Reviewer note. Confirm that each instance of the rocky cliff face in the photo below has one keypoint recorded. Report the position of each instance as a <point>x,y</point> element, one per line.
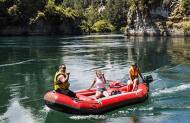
<point>166,18</point>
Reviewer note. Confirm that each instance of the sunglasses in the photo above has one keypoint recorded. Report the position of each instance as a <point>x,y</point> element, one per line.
<point>62,67</point>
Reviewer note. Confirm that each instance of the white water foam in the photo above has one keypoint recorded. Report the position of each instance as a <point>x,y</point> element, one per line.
<point>41,117</point>
<point>171,90</point>
<point>45,109</point>
<point>17,114</point>
<point>95,117</point>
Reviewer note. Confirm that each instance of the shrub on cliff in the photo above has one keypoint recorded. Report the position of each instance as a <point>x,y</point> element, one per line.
<point>186,6</point>
<point>56,14</point>
<point>116,12</point>
<point>14,16</point>
<point>57,18</point>
<point>103,26</point>
<point>186,26</point>
<point>91,15</point>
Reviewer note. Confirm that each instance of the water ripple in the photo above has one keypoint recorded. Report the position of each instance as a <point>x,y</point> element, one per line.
<point>16,63</point>
<point>172,90</point>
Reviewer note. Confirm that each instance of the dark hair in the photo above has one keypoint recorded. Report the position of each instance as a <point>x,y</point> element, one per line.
<point>61,66</point>
<point>134,63</point>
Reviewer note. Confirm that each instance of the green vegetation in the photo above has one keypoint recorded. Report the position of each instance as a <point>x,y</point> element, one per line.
<point>186,25</point>
<point>186,6</point>
<point>103,26</point>
<point>85,16</point>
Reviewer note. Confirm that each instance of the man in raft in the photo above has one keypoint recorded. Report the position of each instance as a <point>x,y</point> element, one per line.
<point>134,73</point>
<point>61,82</point>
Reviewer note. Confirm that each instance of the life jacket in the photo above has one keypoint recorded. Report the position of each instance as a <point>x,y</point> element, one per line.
<point>58,85</point>
<point>134,72</point>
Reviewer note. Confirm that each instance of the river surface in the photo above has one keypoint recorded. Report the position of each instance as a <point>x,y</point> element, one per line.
<point>28,64</point>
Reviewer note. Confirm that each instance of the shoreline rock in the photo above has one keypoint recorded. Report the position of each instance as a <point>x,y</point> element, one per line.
<point>40,28</point>
<point>156,32</point>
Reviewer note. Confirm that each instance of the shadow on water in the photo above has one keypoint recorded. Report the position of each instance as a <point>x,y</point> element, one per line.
<point>27,66</point>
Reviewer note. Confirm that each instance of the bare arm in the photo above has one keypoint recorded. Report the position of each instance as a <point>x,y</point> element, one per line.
<point>63,78</point>
<point>129,75</point>
<point>104,79</point>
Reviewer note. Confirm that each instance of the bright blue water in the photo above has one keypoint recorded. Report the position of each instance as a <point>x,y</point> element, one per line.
<point>28,64</point>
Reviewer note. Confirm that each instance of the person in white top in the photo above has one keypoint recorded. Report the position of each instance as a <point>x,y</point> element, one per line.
<point>100,82</point>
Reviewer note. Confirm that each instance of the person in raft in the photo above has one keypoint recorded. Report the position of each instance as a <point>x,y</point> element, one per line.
<point>134,73</point>
<point>100,82</point>
<point>61,82</point>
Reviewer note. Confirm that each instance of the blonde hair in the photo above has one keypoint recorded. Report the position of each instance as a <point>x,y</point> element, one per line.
<point>99,72</point>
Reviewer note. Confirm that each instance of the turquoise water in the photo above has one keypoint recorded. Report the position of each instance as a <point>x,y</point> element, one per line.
<point>28,64</point>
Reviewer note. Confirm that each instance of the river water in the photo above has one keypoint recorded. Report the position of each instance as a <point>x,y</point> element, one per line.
<point>28,64</point>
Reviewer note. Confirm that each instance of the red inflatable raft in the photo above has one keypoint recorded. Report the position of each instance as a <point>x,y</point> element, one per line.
<point>120,95</point>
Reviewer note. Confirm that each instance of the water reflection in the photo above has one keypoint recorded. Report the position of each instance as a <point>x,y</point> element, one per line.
<point>17,113</point>
<point>28,64</point>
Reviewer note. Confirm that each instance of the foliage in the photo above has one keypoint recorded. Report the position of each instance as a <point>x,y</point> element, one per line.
<point>85,27</point>
<point>14,15</point>
<point>169,24</point>
<point>122,29</point>
<point>13,10</point>
<point>58,14</point>
<point>116,12</point>
<point>40,16</point>
<point>186,6</point>
<point>29,8</point>
<point>186,25</point>
<point>91,15</point>
<point>85,13</point>
<point>103,26</point>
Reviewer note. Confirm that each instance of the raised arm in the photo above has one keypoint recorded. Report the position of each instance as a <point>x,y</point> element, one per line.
<point>63,78</point>
<point>104,79</point>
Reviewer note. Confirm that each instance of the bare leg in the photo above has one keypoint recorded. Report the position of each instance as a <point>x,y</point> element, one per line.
<point>98,94</point>
<point>129,85</point>
<point>105,93</point>
<point>136,81</point>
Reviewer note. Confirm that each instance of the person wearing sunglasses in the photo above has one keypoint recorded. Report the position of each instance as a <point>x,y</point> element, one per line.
<point>61,82</point>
